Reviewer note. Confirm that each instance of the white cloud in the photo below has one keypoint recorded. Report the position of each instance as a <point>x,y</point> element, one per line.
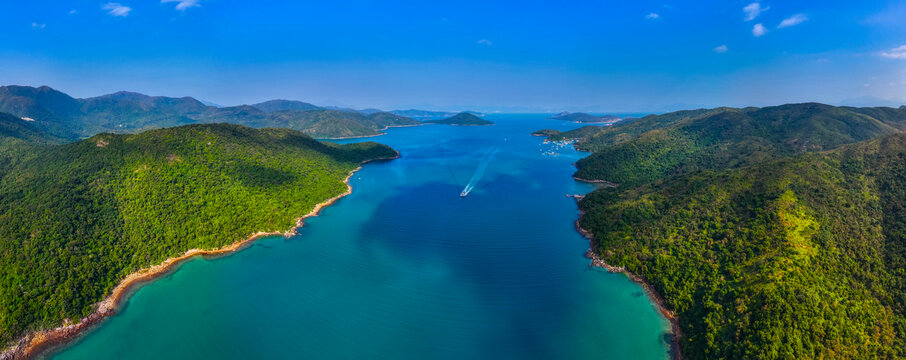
<point>652,16</point>
<point>721,49</point>
<point>72,12</point>
<point>182,4</point>
<point>753,10</point>
<point>35,25</point>
<point>117,9</point>
<point>793,21</point>
<point>895,53</point>
<point>759,30</point>
<point>485,42</point>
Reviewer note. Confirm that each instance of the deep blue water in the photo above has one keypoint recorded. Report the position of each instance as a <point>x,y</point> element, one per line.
<point>403,268</point>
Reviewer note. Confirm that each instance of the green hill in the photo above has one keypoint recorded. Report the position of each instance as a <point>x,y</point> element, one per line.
<point>653,147</point>
<point>575,134</point>
<point>461,119</point>
<point>585,118</point>
<point>278,105</point>
<point>14,128</point>
<point>386,119</point>
<point>798,258</point>
<point>76,218</point>
<point>126,112</point>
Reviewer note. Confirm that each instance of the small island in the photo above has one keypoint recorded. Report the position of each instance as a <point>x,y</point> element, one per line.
<point>586,118</point>
<point>547,132</point>
<point>461,119</point>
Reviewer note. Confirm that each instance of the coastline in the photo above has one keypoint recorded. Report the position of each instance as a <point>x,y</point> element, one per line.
<point>655,297</point>
<point>34,344</point>
<point>368,136</point>
<point>604,183</point>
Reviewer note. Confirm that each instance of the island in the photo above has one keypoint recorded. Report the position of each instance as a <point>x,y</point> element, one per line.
<point>586,118</point>
<point>461,119</point>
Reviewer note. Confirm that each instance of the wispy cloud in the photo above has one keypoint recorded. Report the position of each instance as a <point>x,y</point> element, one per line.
<point>652,16</point>
<point>117,9</point>
<point>895,53</point>
<point>484,42</point>
<point>721,49</point>
<point>759,30</point>
<point>753,10</point>
<point>182,4</point>
<point>793,21</point>
<point>72,12</point>
<point>35,25</point>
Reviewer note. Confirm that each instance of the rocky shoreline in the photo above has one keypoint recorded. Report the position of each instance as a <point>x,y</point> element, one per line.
<point>656,298</point>
<point>36,343</point>
<point>603,183</point>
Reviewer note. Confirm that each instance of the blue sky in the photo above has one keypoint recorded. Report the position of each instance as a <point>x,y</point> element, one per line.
<point>511,56</point>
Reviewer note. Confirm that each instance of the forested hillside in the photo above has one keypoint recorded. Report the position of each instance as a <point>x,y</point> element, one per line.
<point>798,258</point>
<point>123,112</point>
<point>654,147</point>
<point>76,218</point>
<point>772,232</point>
<point>461,119</point>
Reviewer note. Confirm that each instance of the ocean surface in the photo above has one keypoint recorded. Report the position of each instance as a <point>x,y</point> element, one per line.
<point>405,268</point>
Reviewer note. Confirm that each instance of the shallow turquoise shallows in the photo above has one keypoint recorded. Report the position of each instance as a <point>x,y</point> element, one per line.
<point>404,268</point>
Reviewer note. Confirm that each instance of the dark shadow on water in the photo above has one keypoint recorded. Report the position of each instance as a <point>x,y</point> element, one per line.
<point>501,268</point>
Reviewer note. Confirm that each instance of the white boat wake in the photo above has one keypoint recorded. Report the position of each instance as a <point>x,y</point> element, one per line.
<point>479,172</point>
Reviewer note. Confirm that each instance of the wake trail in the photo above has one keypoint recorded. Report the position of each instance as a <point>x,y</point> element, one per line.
<point>479,172</point>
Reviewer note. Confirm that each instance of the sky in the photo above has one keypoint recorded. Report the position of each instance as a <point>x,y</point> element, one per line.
<point>525,56</point>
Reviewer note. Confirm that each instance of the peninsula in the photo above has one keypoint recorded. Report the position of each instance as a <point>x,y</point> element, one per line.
<point>113,205</point>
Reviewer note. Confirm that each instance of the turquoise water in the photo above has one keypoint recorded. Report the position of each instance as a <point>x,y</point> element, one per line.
<point>403,268</point>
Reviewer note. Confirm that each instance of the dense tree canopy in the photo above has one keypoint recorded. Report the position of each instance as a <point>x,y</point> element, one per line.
<point>77,218</point>
<point>764,242</point>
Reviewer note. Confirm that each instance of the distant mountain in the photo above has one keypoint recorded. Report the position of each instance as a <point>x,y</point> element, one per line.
<point>421,114</point>
<point>53,111</point>
<point>278,105</point>
<point>677,143</point>
<point>14,128</point>
<point>326,123</point>
<point>386,119</point>
<point>585,118</point>
<point>62,116</point>
<point>461,119</point>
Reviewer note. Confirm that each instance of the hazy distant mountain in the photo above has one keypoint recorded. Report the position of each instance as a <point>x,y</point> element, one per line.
<point>277,105</point>
<point>386,119</point>
<point>415,114</point>
<point>585,118</point>
<point>461,119</point>
<point>866,101</point>
<point>60,115</point>
<point>14,127</point>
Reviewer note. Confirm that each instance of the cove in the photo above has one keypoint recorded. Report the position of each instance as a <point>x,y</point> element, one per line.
<point>405,268</point>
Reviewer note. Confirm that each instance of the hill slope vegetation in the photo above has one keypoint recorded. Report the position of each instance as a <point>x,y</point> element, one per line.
<point>797,258</point>
<point>772,232</point>
<point>461,119</point>
<point>654,147</point>
<point>124,112</point>
<point>76,218</point>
